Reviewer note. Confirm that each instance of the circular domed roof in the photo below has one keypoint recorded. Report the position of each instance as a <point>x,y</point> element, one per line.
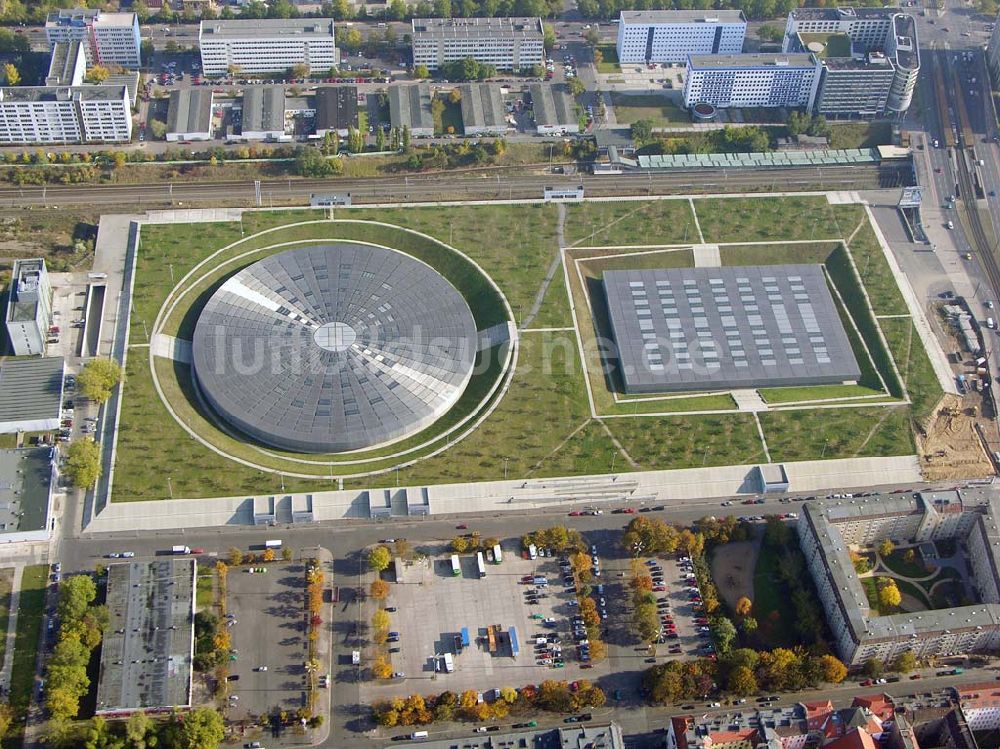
<point>334,347</point>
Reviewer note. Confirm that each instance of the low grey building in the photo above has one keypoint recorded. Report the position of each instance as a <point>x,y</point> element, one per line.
<point>190,114</point>
<point>27,477</point>
<point>67,65</point>
<point>410,106</point>
<point>148,648</point>
<point>31,392</point>
<point>686,329</point>
<point>264,113</point>
<point>336,109</point>
<point>554,109</point>
<point>482,109</point>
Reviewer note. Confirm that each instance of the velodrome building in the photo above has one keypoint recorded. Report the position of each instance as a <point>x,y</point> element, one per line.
<point>828,530</point>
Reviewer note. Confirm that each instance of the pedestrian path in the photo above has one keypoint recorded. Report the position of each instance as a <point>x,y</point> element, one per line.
<point>8,653</point>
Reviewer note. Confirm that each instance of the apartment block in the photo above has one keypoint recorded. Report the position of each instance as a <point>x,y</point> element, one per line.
<point>270,46</point>
<point>752,80</point>
<point>505,43</point>
<point>646,36</point>
<point>60,115</point>
<point>108,38</point>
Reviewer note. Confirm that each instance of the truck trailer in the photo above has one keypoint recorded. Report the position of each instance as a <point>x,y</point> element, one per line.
<point>181,550</point>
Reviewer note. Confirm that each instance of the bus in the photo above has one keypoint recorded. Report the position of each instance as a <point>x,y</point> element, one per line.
<point>456,568</point>
<point>481,564</point>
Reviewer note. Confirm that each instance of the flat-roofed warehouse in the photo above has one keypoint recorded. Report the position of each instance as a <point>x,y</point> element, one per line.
<point>336,109</point>
<point>148,646</point>
<point>264,113</point>
<point>555,112</point>
<point>31,392</point>
<point>410,106</point>
<point>27,477</point>
<point>733,327</point>
<point>189,116</point>
<point>482,109</point>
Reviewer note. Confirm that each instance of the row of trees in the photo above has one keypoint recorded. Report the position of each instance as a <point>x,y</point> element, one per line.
<point>583,577</point>
<point>473,542</point>
<point>550,695</point>
<point>558,538</point>
<point>741,672</point>
<point>201,728</point>
<point>81,627</point>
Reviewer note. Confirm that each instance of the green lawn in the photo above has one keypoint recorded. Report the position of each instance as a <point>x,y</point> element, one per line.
<point>205,589</point>
<point>816,392</point>
<point>772,604</point>
<point>765,218</point>
<point>554,312</point>
<point>659,442</point>
<point>609,64</point>
<point>630,223</point>
<point>883,291</point>
<point>451,118</point>
<point>860,134</point>
<point>837,433</point>
<point>834,45</point>
<point>896,563</point>
<point>657,108</point>
<point>913,363</point>
<point>30,609</point>
<point>6,578</point>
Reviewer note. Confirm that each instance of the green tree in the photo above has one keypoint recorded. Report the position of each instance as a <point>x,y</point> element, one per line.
<point>549,37</point>
<point>421,71</point>
<point>405,138</point>
<point>886,547</point>
<point>873,667</point>
<point>83,463</point>
<point>203,729</point>
<point>309,162</point>
<point>592,36</point>
<point>741,681</point>
<point>642,131</point>
<point>748,625</point>
<point>379,139</point>
<point>769,33</point>
<point>137,729</point>
<point>98,378</point>
<point>158,128</point>
<point>380,620</point>
<point>146,49</point>
<point>576,87</point>
<point>723,632</point>
<point>379,558</point>
<point>75,595</point>
<point>7,718</point>
<point>905,662</point>
<point>11,74</point>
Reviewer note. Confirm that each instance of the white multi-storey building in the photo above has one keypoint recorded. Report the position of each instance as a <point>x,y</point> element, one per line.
<point>672,35</point>
<point>754,80</point>
<point>827,531</point>
<point>108,38</point>
<point>267,46</point>
<point>29,307</point>
<point>65,114</point>
<point>881,40</point>
<point>505,43</point>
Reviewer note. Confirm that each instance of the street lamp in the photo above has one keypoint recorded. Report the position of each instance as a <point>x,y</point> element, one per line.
<point>170,487</point>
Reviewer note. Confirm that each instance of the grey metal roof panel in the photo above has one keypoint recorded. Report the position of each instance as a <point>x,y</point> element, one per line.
<point>264,108</point>
<point>552,104</point>
<point>334,347</point>
<point>31,389</point>
<point>190,111</point>
<point>336,107</point>
<point>737,326</point>
<point>410,106</point>
<point>482,106</point>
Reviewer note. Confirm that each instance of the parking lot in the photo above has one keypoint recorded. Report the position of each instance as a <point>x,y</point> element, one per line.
<point>432,606</point>
<point>269,631</point>
<point>680,606</point>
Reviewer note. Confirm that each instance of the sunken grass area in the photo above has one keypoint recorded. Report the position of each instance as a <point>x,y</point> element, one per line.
<point>515,245</point>
<point>31,607</point>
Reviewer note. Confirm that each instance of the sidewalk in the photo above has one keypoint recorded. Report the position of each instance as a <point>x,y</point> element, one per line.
<point>8,653</point>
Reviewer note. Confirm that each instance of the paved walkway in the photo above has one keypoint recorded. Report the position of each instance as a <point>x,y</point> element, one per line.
<point>706,256</point>
<point>8,653</point>
<point>749,401</point>
<point>168,347</point>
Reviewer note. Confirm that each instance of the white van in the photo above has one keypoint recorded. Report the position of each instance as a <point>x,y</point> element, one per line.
<point>418,735</point>
<point>990,323</point>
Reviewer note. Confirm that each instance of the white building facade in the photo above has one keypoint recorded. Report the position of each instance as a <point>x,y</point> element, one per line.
<point>505,43</point>
<point>753,80</point>
<point>267,46</point>
<point>65,115</point>
<point>108,38</point>
<point>29,308</point>
<point>671,35</point>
